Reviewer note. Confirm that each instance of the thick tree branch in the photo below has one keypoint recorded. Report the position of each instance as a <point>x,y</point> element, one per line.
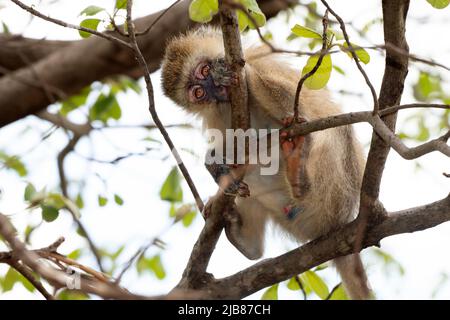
<point>17,52</point>
<point>396,69</point>
<point>335,244</point>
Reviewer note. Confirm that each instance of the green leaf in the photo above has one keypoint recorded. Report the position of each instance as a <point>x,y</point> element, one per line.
<point>89,24</point>
<point>255,12</point>
<point>242,20</point>
<point>118,199</point>
<point>118,252</point>
<point>203,10</point>
<point>121,4</point>
<point>362,54</point>
<point>428,87</point>
<point>124,83</point>
<point>315,283</point>
<point>388,260</point>
<point>172,210</point>
<point>337,35</point>
<point>424,132</point>
<point>339,70</point>
<point>79,201</point>
<point>28,231</point>
<point>271,293</point>
<point>188,218</point>
<point>26,284</point>
<point>75,254</point>
<point>105,108</point>
<point>339,294</point>
<point>30,191</point>
<point>5,28</point>
<point>55,200</point>
<point>320,78</point>
<point>49,213</point>
<point>171,189</point>
<point>321,267</point>
<point>74,102</point>
<point>157,267</point>
<point>9,280</point>
<point>72,295</point>
<point>153,264</point>
<point>102,201</point>
<point>91,11</point>
<point>13,163</point>
<point>293,284</point>
<point>439,4</point>
<point>81,233</point>
<point>305,32</point>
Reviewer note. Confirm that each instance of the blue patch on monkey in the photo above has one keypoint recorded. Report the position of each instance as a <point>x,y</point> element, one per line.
<point>292,211</point>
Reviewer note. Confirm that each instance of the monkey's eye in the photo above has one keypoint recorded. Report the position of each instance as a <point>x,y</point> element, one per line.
<point>205,70</point>
<point>198,92</point>
<point>202,70</point>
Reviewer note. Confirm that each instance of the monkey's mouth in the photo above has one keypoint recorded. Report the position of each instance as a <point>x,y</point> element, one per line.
<point>221,93</point>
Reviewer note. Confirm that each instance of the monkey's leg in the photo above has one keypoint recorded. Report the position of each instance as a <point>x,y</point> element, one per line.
<point>295,151</point>
<point>245,227</point>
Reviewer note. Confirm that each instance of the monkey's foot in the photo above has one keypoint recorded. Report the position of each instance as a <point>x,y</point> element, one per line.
<point>294,154</point>
<point>222,74</point>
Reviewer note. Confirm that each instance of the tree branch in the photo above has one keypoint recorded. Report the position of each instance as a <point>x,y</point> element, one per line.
<point>335,244</point>
<point>56,277</point>
<point>194,275</point>
<point>396,69</point>
<point>355,57</point>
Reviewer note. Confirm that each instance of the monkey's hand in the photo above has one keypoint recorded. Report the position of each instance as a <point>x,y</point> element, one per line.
<point>222,74</point>
<point>226,176</point>
<point>295,152</point>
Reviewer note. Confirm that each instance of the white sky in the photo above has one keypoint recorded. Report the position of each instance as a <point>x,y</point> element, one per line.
<point>139,179</point>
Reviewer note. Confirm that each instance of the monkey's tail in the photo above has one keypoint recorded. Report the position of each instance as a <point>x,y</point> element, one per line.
<point>354,277</point>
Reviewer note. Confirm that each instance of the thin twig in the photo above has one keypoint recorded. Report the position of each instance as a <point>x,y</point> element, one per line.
<point>147,30</point>
<point>355,57</point>
<point>152,109</point>
<point>63,183</point>
<point>323,52</point>
<point>36,13</point>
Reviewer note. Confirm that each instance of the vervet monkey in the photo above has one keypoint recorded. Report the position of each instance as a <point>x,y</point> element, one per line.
<point>317,187</point>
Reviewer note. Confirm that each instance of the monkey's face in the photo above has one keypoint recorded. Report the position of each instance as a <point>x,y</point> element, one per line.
<point>194,75</point>
<point>209,83</point>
